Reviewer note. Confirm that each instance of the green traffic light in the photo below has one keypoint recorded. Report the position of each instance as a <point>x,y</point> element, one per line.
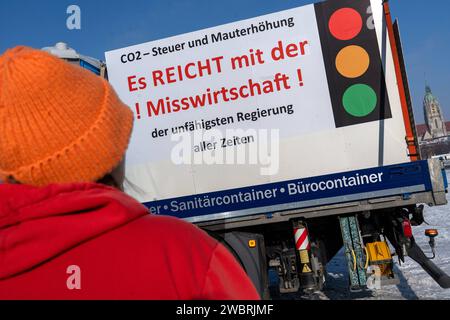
<point>360,100</point>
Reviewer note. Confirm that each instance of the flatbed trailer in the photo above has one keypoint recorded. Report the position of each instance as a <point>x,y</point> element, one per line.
<point>266,244</point>
<point>421,182</point>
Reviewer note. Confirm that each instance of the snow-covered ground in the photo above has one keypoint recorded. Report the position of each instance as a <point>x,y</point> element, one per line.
<point>415,283</point>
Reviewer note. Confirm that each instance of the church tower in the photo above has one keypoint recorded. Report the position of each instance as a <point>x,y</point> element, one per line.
<point>433,116</point>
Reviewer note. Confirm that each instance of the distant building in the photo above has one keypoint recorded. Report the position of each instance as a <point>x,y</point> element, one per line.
<point>433,135</point>
<point>434,119</point>
<point>422,129</point>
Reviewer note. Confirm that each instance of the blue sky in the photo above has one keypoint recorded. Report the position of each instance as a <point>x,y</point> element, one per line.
<point>110,25</point>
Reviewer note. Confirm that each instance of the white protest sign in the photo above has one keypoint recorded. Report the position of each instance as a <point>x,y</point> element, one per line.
<point>253,103</point>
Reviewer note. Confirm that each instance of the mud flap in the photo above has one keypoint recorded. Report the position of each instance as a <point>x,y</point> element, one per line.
<point>415,253</point>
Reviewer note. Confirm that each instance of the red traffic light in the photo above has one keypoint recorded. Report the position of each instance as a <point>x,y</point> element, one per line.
<point>345,24</point>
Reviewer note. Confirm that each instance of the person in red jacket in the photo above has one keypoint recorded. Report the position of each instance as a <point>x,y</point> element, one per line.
<point>66,230</point>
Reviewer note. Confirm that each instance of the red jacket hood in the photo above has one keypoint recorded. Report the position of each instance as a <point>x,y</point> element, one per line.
<point>37,224</point>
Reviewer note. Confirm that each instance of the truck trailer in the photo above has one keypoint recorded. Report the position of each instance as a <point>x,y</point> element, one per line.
<point>350,174</point>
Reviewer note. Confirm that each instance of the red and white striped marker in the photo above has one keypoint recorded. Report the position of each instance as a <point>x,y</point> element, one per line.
<point>301,239</point>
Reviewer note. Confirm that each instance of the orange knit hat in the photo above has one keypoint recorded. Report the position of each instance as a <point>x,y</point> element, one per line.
<point>58,122</point>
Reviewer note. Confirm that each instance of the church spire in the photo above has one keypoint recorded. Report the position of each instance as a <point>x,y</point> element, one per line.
<point>433,115</point>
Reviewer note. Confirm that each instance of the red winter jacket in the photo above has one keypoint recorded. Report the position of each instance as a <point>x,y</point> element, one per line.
<point>89,241</point>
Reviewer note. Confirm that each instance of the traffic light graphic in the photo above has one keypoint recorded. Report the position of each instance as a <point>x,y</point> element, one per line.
<point>353,62</point>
